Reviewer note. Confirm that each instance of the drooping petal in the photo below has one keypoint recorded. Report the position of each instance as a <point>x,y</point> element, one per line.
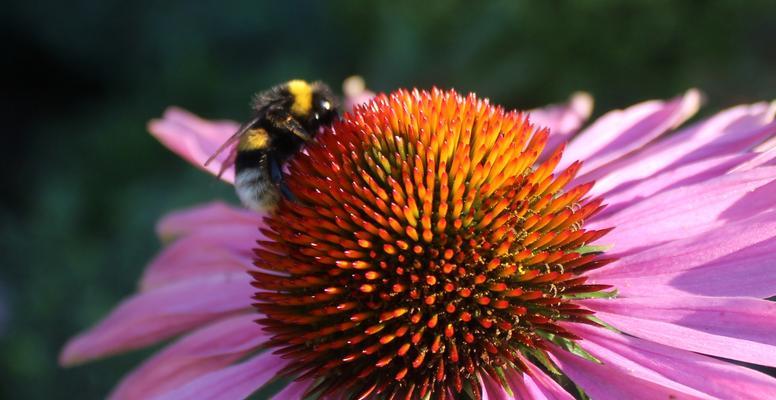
<point>209,349</point>
<point>152,316</point>
<point>219,249</point>
<point>729,132</point>
<point>563,120</point>
<point>622,131</point>
<point>195,139</point>
<point>634,368</point>
<point>210,238</point>
<point>736,328</point>
<point>194,256</point>
<point>204,217</point>
<point>236,382</point>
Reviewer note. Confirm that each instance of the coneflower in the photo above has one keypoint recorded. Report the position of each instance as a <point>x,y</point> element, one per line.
<point>441,247</point>
<point>427,248</point>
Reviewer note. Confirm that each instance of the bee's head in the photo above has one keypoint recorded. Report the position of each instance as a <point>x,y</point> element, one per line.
<point>325,105</point>
<point>312,104</point>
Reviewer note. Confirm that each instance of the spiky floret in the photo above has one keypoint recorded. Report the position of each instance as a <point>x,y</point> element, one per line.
<point>426,248</point>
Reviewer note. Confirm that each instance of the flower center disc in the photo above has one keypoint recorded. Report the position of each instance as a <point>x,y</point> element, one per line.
<point>427,247</point>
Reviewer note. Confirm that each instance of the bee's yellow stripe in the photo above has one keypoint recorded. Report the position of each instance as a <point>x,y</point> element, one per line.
<point>303,97</point>
<point>254,139</point>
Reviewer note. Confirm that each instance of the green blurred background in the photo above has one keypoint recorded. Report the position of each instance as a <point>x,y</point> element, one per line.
<point>83,182</point>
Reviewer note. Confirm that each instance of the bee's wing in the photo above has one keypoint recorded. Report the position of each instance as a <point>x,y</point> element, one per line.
<point>261,112</point>
<point>234,138</point>
<point>227,163</point>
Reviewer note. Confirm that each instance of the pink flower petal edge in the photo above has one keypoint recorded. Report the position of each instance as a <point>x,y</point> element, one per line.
<point>634,368</point>
<point>563,120</point>
<point>744,272</point>
<point>735,328</point>
<point>535,384</point>
<point>204,217</point>
<point>492,390</point>
<point>620,132</point>
<point>531,384</point>
<point>766,158</point>
<point>731,131</point>
<point>195,139</point>
<point>152,316</point>
<point>209,238</point>
<point>232,383</point>
<point>194,256</point>
<point>689,210</point>
<point>206,350</point>
<point>735,259</point>
<point>684,175</point>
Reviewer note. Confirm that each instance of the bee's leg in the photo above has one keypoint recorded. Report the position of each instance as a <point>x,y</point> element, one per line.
<point>276,176</point>
<point>283,121</point>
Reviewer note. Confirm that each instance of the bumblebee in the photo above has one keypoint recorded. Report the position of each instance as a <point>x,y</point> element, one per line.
<point>285,117</point>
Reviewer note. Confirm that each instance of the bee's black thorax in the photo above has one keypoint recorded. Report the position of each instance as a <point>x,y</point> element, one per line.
<point>280,147</point>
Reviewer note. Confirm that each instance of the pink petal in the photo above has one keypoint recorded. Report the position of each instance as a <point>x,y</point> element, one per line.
<point>748,272</point>
<point>690,210</point>
<point>620,132</point>
<point>735,259</point>
<point>563,120</point>
<point>768,157</point>
<point>492,390</point>
<point>611,381</point>
<point>236,382</point>
<point>213,238</point>
<point>208,349</point>
<point>535,384</point>
<point>752,127</point>
<point>197,255</point>
<point>685,175</point>
<point>744,272</point>
<point>149,317</point>
<point>735,328</point>
<point>205,217</point>
<point>728,132</point>
<point>769,144</point>
<point>195,139</point>
<point>638,369</point>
